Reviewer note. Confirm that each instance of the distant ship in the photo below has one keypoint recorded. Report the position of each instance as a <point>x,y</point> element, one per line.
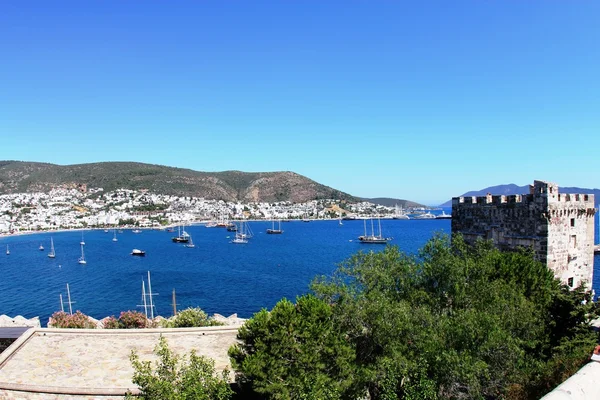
<point>443,215</point>
<point>273,231</point>
<point>372,238</point>
<point>139,253</point>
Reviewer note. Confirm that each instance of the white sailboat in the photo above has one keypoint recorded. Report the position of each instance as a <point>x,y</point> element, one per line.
<point>241,237</point>
<point>190,243</point>
<point>51,254</point>
<point>41,247</point>
<point>7,250</point>
<point>114,239</point>
<point>82,241</point>
<point>82,258</point>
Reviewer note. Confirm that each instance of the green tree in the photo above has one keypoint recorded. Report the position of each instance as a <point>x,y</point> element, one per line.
<point>458,321</point>
<point>295,351</point>
<point>174,378</point>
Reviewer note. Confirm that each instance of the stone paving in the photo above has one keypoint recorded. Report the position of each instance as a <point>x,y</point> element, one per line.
<point>96,360</point>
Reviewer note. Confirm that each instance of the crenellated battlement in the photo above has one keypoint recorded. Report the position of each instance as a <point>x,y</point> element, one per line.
<point>558,226</point>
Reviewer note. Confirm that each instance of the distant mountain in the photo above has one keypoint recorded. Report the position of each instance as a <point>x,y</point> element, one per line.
<point>514,189</point>
<point>18,176</point>
<point>388,202</point>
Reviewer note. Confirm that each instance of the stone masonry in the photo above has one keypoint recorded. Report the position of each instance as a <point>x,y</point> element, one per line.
<point>559,227</point>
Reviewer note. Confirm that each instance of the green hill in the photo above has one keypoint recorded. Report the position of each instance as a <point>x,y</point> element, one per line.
<point>19,176</point>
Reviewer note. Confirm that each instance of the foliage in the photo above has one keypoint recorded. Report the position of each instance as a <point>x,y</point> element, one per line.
<point>190,317</point>
<point>177,378</point>
<point>111,323</point>
<point>458,321</point>
<point>79,320</point>
<point>133,320</point>
<point>295,351</point>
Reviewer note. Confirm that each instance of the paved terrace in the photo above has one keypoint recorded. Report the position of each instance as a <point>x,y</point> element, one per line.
<point>94,364</point>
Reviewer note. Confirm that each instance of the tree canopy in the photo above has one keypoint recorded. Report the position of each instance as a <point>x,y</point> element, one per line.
<point>452,322</point>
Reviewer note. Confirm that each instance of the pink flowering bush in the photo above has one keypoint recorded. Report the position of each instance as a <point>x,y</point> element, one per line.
<point>133,319</point>
<point>78,320</point>
<point>111,323</point>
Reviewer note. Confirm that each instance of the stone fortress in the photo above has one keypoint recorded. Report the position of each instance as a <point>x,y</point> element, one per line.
<point>559,227</point>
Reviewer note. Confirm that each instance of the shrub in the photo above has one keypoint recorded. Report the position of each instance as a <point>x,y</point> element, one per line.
<point>111,323</point>
<point>79,320</point>
<point>178,378</point>
<point>133,320</point>
<point>189,318</point>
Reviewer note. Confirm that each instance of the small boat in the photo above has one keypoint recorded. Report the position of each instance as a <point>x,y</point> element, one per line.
<point>114,239</point>
<point>51,253</point>
<point>137,231</point>
<point>231,227</point>
<point>190,244</point>
<point>41,247</point>
<point>120,231</point>
<point>241,235</point>
<point>7,250</point>
<point>372,238</point>
<point>274,231</point>
<point>82,258</point>
<point>443,215</point>
<point>139,253</point>
<point>106,231</point>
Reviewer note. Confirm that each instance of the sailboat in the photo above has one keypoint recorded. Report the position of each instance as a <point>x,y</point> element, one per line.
<point>180,238</point>
<point>273,231</point>
<point>372,238</point>
<point>51,254</point>
<point>114,239</point>
<point>190,244</point>
<point>7,250</point>
<point>82,241</point>
<point>41,247</point>
<point>241,237</point>
<point>340,220</point>
<point>82,258</point>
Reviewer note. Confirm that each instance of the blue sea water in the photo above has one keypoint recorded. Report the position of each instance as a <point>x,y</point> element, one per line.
<point>218,276</point>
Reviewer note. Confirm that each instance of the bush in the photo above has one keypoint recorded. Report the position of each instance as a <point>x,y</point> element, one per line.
<point>111,323</point>
<point>133,320</point>
<point>178,378</point>
<point>79,320</point>
<point>189,318</point>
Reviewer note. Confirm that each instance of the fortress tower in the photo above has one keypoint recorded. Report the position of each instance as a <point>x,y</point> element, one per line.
<point>559,227</point>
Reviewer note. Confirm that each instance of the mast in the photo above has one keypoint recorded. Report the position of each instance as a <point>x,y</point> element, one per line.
<point>62,307</point>
<point>372,231</point>
<point>174,303</point>
<point>144,298</point>
<point>150,294</point>
<point>379,221</point>
<point>70,302</point>
<point>365,224</point>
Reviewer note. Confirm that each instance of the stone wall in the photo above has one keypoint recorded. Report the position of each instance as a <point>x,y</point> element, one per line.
<point>559,227</point>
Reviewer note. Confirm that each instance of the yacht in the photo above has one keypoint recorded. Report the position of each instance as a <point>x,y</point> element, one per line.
<point>443,215</point>
<point>427,215</point>
<point>139,253</point>
<point>273,231</point>
<point>82,258</point>
<point>51,254</point>
<point>41,247</point>
<point>372,238</point>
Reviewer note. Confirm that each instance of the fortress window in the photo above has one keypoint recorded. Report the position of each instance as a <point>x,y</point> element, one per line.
<point>572,221</point>
<point>570,282</point>
<point>573,240</point>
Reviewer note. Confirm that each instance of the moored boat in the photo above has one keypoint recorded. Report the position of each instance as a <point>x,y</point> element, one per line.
<point>137,252</point>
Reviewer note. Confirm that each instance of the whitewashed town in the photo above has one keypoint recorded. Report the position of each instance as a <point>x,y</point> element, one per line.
<point>78,208</point>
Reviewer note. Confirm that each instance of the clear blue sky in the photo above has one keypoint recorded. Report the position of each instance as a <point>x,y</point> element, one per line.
<point>419,100</point>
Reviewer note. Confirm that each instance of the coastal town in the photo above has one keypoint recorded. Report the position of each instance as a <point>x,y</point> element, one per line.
<point>78,207</point>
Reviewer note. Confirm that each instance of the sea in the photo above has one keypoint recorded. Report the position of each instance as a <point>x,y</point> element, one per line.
<point>216,275</point>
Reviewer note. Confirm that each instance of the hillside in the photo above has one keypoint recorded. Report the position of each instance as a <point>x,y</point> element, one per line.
<point>18,176</point>
<point>514,189</point>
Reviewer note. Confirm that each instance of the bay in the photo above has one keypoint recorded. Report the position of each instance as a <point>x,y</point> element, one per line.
<point>216,275</point>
